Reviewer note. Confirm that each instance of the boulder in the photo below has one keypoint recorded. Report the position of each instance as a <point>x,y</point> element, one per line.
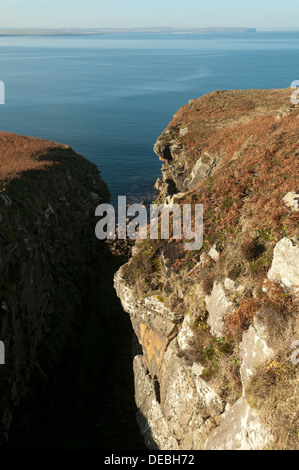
<point>241,429</point>
<point>285,264</point>
<point>292,200</point>
<point>217,306</point>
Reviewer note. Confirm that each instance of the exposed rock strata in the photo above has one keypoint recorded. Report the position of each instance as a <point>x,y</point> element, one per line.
<point>178,410</point>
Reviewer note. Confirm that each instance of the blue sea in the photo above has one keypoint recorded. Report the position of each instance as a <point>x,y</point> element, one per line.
<point>109,97</point>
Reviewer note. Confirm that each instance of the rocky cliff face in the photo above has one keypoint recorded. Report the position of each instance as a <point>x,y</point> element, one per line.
<point>217,328</point>
<point>55,300</point>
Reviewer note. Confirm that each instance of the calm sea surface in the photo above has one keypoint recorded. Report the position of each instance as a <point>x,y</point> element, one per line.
<point>110,96</point>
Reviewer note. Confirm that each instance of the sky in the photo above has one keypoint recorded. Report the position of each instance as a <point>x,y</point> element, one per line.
<point>260,14</point>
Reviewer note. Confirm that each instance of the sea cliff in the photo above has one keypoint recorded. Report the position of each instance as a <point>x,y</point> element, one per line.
<point>217,327</point>
<point>56,292</point>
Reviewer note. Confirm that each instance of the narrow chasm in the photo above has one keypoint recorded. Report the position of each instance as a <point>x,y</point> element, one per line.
<point>85,399</point>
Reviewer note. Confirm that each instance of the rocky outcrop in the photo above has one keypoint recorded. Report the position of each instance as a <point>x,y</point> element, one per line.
<point>177,408</point>
<point>285,264</point>
<point>241,429</point>
<point>162,379</point>
<point>216,327</point>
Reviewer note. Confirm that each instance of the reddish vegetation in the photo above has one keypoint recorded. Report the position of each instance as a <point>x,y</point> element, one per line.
<point>226,109</point>
<point>21,153</point>
<point>240,319</point>
<point>258,156</point>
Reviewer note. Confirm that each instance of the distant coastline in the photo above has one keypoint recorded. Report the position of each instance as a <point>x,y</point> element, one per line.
<point>101,31</point>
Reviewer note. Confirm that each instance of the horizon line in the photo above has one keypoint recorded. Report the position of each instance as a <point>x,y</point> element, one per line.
<point>148,28</point>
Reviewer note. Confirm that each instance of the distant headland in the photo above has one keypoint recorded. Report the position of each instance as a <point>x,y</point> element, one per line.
<point>101,31</point>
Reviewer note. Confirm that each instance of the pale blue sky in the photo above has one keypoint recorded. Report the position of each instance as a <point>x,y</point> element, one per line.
<point>274,14</point>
